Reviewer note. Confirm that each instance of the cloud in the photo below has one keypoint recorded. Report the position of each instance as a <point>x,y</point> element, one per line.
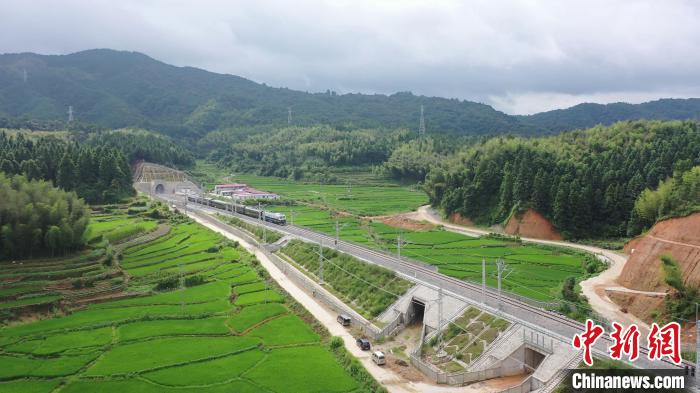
<point>520,56</point>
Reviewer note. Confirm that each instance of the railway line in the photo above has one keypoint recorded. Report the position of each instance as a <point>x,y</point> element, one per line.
<point>551,322</point>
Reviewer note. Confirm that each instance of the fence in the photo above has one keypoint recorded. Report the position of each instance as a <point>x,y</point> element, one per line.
<point>320,293</point>
<point>459,378</point>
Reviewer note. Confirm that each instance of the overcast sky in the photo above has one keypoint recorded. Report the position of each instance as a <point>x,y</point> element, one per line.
<point>519,56</point>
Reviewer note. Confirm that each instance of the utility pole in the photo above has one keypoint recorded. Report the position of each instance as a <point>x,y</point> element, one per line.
<point>421,127</point>
<point>483,280</point>
<point>697,343</point>
<point>289,115</point>
<point>320,262</point>
<point>398,246</point>
<point>337,233</point>
<point>500,263</point>
<point>439,319</point>
<point>70,113</point>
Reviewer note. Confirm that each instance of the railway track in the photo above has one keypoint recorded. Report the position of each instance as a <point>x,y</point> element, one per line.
<point>407,267</point>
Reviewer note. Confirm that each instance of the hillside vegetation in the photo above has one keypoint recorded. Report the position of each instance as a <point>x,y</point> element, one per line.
<point>585,182</point>
<point>98,174</point>
<point>38,219</point>
<point>676,196</point>
<point>126,89</point>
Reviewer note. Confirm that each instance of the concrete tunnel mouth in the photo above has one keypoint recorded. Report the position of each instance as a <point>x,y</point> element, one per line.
<point>416,312</point>
<point>160,189</point>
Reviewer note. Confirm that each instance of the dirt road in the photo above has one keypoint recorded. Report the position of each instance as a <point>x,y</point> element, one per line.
<point>593,288</point>
<point>392,381</point>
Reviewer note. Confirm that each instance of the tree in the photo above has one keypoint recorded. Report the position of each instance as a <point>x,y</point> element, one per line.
<point>39,218</point>
<point>66,177</point>
<point>53,238</point>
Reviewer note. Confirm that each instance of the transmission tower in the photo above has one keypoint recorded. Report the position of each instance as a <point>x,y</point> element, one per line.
<point>421,127</point>
<point>289,115</point>
<point>70,113</point>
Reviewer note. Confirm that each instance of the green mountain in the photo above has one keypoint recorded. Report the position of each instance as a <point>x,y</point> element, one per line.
<point>588,115</point>
<point>126,89</point>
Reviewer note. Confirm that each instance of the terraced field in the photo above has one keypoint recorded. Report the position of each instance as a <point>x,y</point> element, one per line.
<point>41,285</point>
<point>232,332</point>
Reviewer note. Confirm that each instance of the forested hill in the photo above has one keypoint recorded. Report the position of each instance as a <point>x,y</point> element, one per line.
<point>585,182</point>
<point>588,115</point>
<point>122,89</point>
<point>126,89</point>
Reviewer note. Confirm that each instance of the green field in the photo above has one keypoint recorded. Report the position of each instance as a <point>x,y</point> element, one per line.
<point>363,200</point>
<point>231,333</point>
<point>369,289</point>
<point>533,271</point>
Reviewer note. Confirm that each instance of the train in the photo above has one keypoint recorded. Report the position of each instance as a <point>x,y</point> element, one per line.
<point>250,211</point>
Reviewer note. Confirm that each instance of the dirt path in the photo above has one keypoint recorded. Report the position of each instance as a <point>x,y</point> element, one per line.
<point>645,293</point>
<point>673,242</point>
<point>392,381</point>
<point>593,288</point>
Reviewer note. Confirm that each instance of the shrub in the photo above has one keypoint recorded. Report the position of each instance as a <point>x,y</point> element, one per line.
<point>336,342</point>
<point>192,281</point>
<point>167,283</point>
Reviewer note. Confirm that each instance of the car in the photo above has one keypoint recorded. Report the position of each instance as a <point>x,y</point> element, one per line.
<point>344,319</point>
<point>363,344</point>
<point>378,358</point>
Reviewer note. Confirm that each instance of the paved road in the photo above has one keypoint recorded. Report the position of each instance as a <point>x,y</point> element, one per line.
<point>535,318</point>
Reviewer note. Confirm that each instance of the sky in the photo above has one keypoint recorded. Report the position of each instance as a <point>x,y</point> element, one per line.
<point>521,57</point>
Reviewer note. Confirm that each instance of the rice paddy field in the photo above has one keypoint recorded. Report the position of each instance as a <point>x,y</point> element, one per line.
<point>228,331</point>
<point>533,271</point>
<point>358,199</point>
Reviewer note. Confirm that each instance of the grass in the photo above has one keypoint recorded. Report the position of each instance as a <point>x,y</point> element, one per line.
<point>27,386</point>
<point>172,327</point>
<point>116,228</point>
<point>182,340</point>
<point>252,315</point>
<point>133,385</point>
<point>62,342</point>
<point>269,295</point>
<point>288,366</point>
<point>370,289</point>
<point>207,372</point>
<point>468,334</point>
<point>18,367</point>
<point>285,330</point>
<point>147,355</point>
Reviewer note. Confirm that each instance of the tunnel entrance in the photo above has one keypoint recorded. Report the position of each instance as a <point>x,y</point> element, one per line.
<point>160,189</point>
<point>532,359</point>
<point>416,311</point>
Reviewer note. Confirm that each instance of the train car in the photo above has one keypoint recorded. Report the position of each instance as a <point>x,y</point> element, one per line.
<point>252,212</point>
<point>275,218</point>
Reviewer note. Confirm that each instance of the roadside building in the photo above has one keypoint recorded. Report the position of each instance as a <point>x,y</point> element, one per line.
<point>240,191</point>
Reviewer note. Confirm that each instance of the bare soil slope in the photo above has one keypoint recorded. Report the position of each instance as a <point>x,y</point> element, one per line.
<point>532,224</point>
<point>677,237</point>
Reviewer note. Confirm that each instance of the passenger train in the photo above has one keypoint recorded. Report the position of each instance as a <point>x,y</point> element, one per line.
<point>275,218</point>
